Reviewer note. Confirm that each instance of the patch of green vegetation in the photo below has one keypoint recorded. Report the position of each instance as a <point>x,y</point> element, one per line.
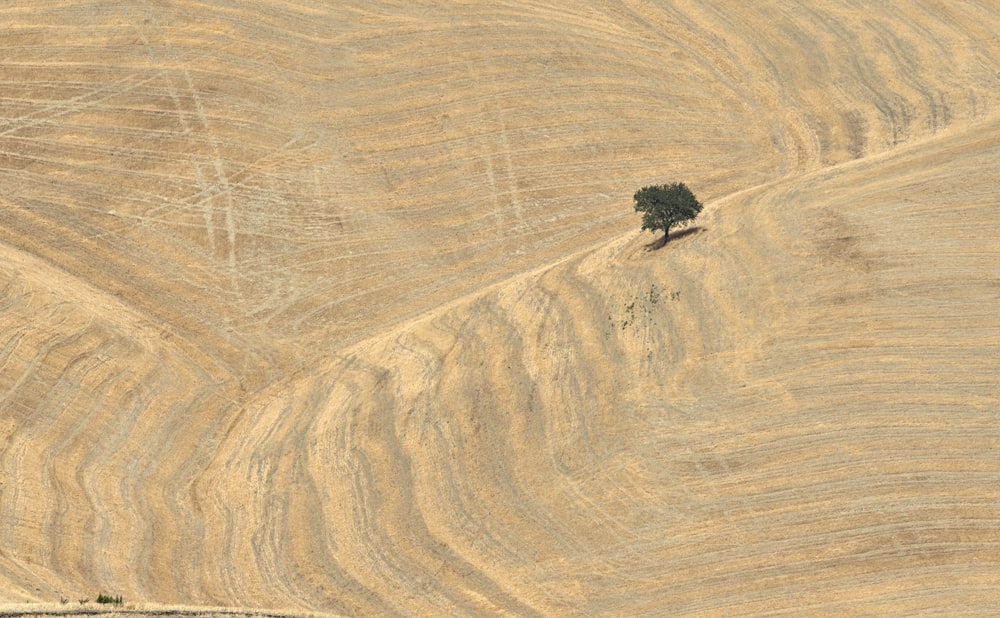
<point>666,206</point>
<point>643,304</point>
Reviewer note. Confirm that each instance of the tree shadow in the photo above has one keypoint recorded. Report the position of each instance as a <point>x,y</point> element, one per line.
<point>661,242</point>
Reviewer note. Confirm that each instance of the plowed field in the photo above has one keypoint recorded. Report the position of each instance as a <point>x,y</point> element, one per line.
<point>343,308</point>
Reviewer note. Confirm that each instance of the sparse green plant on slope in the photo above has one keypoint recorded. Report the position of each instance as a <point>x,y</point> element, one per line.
<point>643,306</point>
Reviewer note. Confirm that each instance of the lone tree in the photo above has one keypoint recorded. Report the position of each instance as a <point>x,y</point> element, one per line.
<point>666,206</point>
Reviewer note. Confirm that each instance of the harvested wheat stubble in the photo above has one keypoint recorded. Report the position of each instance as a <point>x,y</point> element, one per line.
<point>343,308</point>
<point>145,610</point>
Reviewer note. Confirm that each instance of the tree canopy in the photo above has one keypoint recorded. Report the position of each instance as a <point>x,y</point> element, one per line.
<point>666,206</point>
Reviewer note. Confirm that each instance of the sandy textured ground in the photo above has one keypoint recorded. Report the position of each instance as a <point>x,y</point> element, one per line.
<point>343,308</point>
<point>144,610</point>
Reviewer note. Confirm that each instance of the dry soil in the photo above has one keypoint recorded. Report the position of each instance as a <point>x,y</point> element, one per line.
<point>342,307</point>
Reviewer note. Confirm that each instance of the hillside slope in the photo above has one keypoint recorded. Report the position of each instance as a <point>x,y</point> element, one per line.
<point>343,309</point>
<point>795,407</point>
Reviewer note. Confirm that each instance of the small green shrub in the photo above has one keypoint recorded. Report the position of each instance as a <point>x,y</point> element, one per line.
<point>103,598</point>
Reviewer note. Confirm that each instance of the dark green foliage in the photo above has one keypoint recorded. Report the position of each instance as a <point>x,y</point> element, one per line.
<point>103,598</point>
<point>666,206</point>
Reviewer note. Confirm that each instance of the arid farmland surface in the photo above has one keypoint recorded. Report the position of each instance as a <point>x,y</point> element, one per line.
<point>341,307</point>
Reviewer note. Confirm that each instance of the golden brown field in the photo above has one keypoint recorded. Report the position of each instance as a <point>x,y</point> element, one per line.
<point>342,308</point>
